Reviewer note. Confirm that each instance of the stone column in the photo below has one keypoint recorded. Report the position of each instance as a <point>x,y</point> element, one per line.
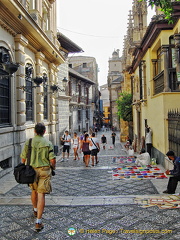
<point>154,62</point>
<point>144,86</point>
<point>20,43</point>
<point>165,52</point>
<point>39,98</point>
<point>53,103</point>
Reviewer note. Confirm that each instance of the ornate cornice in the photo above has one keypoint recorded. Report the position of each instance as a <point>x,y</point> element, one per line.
<point>7,28</point>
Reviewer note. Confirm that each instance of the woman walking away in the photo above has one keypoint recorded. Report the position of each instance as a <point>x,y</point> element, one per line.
<point>85,148</point>
<point>75,146</point>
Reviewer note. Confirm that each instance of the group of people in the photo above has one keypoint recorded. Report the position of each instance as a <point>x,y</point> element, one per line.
<point>88,144</point>
<point>43,160</point>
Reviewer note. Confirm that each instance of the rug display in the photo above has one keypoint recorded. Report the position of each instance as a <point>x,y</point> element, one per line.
<point>123,159</point>
<point>163,202</point>
<point>137,172</point>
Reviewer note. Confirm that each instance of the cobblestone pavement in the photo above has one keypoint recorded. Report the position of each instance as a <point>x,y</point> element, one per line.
<point>89,203</point>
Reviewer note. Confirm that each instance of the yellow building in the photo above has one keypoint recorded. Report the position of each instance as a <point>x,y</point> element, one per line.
<point>156,86</point>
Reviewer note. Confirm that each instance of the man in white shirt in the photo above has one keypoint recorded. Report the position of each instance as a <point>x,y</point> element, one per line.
<point>143,158</point>
<point>94,148</point>
<point>148,140</point>
<point>67,142</point>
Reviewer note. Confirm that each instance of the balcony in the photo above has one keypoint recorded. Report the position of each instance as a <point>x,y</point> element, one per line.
<point>73,99</point>
<point>79,100</point>
<point>159,83</point>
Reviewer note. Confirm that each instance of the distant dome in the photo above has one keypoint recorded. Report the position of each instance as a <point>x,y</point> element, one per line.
<point>115,54</point>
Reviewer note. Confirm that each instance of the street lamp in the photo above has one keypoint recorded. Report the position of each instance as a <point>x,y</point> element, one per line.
<point>54,88</point>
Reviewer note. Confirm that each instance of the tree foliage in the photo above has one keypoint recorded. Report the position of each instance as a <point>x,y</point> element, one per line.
<point>124,105</point>
<point>165,5</point>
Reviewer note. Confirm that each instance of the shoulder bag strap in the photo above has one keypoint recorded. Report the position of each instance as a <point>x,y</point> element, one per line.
<point>94,143</point>
<point>29,152</point>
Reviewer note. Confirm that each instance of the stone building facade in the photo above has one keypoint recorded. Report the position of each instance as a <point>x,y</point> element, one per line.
<point>106,104</point>
<point>80,104</point>
<point>115,79</point>
<point>87,66</point>
<point>28,36</point>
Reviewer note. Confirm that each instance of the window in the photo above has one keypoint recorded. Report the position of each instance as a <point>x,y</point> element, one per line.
<point>159,61</point>
<point>70,87</point>
<point>172,51</point>
<point>5,101</point>
<point>84,65</point>
<point>70,65</point>
<point>174,80</point>
<point>79,115</point>
<point>5,90</point>
<point>87,114</point>
<point>29,93</point>
<point>79,92</point>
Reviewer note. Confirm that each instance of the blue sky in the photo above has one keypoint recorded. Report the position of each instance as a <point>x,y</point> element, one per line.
<point>97,26</point>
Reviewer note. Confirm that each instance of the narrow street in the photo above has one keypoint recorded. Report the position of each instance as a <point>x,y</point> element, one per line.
<point>86,203</point>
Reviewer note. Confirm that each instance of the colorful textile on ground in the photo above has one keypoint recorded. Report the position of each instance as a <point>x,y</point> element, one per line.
<point>137,172</point>
<point>123,159</point>
<point>163,202</point>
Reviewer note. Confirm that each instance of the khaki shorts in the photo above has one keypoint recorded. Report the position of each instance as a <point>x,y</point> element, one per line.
<point>42,182</point>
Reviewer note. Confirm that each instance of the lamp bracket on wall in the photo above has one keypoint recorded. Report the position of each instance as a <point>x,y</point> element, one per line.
<point>38,81</point>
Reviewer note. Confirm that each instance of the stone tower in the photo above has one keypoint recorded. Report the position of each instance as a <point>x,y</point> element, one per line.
<point>139,12</point>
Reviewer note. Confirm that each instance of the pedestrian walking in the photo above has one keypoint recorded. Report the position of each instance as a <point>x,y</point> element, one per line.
<point>95,148</point>
<point>43,161</point>
<point>104,141</point>
<point>113,136</point>
<point>85,148</point>
<point>75,141</point>
<point>173,180</point>
<point>66,147</point>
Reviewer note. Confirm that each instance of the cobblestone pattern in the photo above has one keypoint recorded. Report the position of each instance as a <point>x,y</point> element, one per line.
<point>17,222</point>
<point>84,182</point>
<point>108,221</point>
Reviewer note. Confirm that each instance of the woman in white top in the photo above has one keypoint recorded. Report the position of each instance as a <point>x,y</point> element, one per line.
<point>75,145</point>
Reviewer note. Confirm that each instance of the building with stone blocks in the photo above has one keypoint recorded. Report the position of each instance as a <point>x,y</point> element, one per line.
<point>87,66</point>
<point>155,84</point>
<point>80,102</point>
<point>106,104</point>
<point>64,97</point>
<point>114,79</point>
<point>28,36</point>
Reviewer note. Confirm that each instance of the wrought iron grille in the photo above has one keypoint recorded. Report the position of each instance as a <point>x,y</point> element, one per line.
<point>174,131</point>
<point>29,93</point>
<point>5,99</point>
